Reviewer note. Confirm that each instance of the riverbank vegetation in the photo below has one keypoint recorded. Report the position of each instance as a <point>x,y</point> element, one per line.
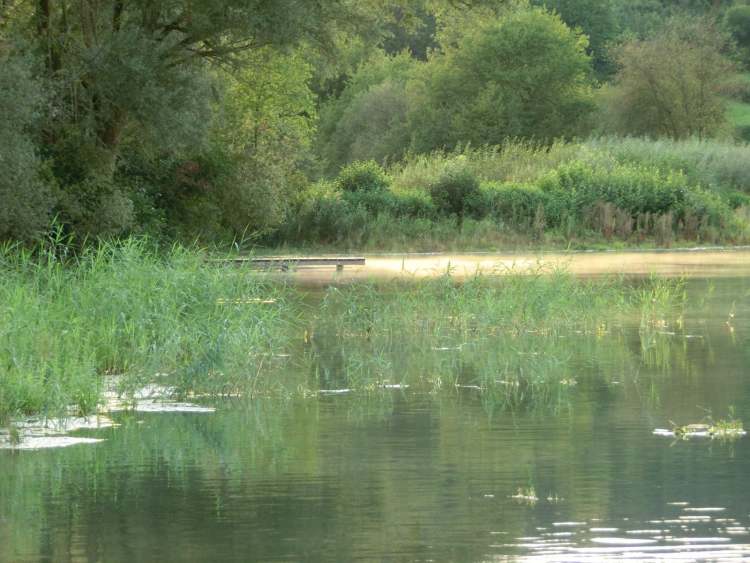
<point>606,189</point>
<point>376,125</point>
<point>128,315</point>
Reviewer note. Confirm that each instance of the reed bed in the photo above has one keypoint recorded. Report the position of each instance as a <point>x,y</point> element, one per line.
<point>130,313</point>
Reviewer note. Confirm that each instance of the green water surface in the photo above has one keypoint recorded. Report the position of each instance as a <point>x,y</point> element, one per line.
<point>405,475</point>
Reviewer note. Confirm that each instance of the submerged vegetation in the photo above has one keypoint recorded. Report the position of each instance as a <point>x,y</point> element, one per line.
<point>129,314</point>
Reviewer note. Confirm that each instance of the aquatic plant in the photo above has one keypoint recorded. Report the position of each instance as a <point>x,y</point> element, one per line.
<point>730,428</point>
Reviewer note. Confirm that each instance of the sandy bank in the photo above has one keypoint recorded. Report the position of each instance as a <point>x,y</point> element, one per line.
<point>696,262</point>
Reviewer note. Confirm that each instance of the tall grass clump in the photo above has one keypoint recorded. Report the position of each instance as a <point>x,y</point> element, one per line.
<point>715,164</point>
<point>129,310</point>
<point>513,161</point>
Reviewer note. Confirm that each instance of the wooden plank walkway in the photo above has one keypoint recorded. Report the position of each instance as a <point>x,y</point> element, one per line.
<point>285,263</point>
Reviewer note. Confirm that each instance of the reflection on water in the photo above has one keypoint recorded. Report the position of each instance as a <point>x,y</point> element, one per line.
<point>410,475</point>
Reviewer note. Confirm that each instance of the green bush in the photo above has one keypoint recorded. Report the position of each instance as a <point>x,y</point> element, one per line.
<point>709,207</point>
<point>576,187</point>
<point>97,206</point>
<point>410,203</point>
<point>374,201</point>
<point>362,176</point>
<point>600,195</point>
<point>454,189</point>
<point>414,203</point>
<point>735,200</point>
<point>513,204</point>
<point>318,214</point>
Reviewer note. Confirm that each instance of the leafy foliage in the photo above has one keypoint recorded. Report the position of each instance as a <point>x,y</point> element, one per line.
<point>25,198</point>
<point>671,84</point>
<point>525,75</point>
<point>362,177</point>
<point>453,191</point>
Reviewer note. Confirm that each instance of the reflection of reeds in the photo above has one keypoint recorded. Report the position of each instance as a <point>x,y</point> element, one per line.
<point>509,339</point>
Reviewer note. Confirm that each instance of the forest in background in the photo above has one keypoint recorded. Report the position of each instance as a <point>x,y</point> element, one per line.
<point>351,124</point>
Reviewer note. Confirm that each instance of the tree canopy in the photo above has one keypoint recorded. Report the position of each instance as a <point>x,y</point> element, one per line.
<point>208,118</point>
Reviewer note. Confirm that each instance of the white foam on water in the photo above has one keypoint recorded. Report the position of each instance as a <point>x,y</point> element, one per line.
<point>696,518</point>
<point>701,540</point>
<point>334,391</point>
<point>63,425</point>
<point>47,442</point>
<point>696,552</point>
<point>169,406</point>
<point>623,541</point>
<point>600,530</point>
<point>152,398</point>
<point>706,509</point>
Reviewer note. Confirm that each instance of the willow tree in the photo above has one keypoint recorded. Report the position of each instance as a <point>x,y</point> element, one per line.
<point>672,84</point>
<point>139,76</point>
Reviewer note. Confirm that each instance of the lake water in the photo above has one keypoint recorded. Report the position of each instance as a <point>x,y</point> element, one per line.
<point>407,476</point>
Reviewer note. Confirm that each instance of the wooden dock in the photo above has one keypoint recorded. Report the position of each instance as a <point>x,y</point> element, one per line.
<point>286,263</point>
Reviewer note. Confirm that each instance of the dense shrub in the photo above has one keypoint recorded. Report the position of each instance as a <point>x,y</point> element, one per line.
<point>367,176</point>
<point>605,188</point>
<point>454,189</point>
<point>317,215</point>
<point>374,201</point>
<point>414,203</point>
<point>708,207</point>
<point>607,198</point>
<point>735,200</point>
<point>515,205</point>
<point>97,206</point>
<point>578,186</point>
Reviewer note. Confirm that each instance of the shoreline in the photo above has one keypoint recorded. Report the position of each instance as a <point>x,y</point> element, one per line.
<point>684,262</point>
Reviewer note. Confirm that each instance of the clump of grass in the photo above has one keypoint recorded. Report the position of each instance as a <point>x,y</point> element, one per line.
<point>526,495</point>
<point>131,309</point>
<point>727,429</point>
